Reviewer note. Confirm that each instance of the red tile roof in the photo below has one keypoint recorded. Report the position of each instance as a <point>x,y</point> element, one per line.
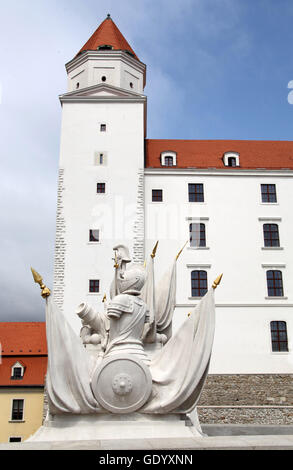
<point>23,338</point>
<point>34,371</point>
<point>108,34</point>
<point>209,153</point>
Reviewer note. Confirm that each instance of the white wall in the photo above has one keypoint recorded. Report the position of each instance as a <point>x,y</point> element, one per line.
<point>231,212</point>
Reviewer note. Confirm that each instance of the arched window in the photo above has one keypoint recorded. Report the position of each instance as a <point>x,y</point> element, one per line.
<point>279,336</point>
<point>271,235</point>
<point>168,158</point>
<point>199,283</point>
<point>197,235</point>
<point>231,159</point>
<point>275,283</point>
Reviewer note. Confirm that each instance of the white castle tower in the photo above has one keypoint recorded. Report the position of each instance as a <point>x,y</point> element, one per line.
<point>100,192</point>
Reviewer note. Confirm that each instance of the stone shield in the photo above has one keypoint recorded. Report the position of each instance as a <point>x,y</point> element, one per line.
<point>122,384</point>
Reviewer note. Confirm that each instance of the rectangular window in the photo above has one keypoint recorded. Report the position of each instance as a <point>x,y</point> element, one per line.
<point>157,195</point>
<point>94,236</point>
<point>275,283</point>
<point>15,439</point>
<point>271,235</point>
<point>101,159</point>
<point>268,193</point>
<point>94,285</point>
<point>279,336</point>
<point>17,373</point>
<point>197,233</point>
<point>101,188</point>
<point>199,283</point>
<point>103,127</point>
<point>195,192</point>
<point>17,410</point>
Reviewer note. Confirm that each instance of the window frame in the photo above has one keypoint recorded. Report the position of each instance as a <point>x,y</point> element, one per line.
<point>18,439</point>
<point>279,341</point>
<point>92,239</point>
<point>274,287</point>
<point>101,185</point>
<point>231,154</point>
<point>12,419</point>
<point>166,154</point>
<point>17,365</point>
<point>199,287</point>
<point>199,195</point>
<point>94,291</point>
<point>270,232</point>
<point>268,193</point>
<point>158,191</point>
<point>202,230</point>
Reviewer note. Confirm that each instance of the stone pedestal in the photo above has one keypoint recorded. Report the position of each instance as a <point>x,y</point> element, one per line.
<point>115,427</point>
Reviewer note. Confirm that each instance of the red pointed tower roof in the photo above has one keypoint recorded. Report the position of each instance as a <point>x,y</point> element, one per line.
<point>108,34</point>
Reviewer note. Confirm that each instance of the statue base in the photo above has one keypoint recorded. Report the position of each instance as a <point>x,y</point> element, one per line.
<point>114,427</point>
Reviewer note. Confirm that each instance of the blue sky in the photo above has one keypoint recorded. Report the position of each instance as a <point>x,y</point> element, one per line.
<point>216,69</point>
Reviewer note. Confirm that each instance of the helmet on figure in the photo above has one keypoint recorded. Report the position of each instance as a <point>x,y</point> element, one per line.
<point>132,280</point>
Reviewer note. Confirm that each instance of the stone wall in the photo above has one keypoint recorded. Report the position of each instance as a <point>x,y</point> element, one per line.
<point>247,399</point>
<point>138,242</point>
<point>60,245</point>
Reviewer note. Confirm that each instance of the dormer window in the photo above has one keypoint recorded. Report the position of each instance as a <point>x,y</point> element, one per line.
<point>231,159</point>
<point>168,158</point>
<point>17,371</point>
<point>105,47</point>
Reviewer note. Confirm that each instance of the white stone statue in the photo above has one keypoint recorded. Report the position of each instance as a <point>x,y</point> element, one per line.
<point>138,365</point>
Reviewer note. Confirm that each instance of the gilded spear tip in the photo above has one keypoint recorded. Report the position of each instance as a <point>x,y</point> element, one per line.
<point>37,277</point>
<point>155,250</point>
<point>217,281</point>
<point>178,254</point>
<point>45,291</point>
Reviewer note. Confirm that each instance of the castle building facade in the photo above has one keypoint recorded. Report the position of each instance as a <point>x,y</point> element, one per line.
<point>229,201</point>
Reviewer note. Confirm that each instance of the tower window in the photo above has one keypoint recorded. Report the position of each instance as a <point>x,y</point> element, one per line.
<point>105,47</point>
<point>131,85</point>
<point>271,235</point>
<point>197,234</point>
<point>195,193</point>
<point>279,336</point>
<point>101,188</point>
<point>94,236</point>
<point>268,193</point>
<point>157,195</point>
<point>275,283</point>
<point>103,127</point>
<point>94,285</point>
<point>77,85</point>
<point>199,283</point>
<point>17,410</point>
